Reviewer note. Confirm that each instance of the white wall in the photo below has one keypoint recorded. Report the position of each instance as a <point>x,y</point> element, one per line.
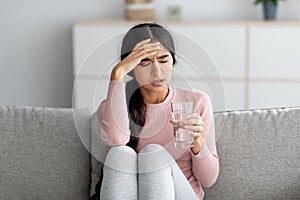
<point>36,48</point>
<point>36,45</point>
<point>226,9</point>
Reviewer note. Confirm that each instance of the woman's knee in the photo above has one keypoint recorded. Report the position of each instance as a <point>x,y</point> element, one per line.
<point>121,158</point>
<point>150,148</point>
<point>153,157</point>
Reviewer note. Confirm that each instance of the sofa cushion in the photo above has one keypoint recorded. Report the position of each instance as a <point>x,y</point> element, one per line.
<point>42,156</point>
<point>259,154</point>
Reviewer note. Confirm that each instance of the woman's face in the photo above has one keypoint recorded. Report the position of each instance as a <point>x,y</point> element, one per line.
<point>154,73</point>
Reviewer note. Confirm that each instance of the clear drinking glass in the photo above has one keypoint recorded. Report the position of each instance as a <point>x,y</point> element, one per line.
<point>180,111</point>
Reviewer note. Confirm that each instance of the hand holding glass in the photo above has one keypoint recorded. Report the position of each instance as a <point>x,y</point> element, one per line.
<point>180,112</point>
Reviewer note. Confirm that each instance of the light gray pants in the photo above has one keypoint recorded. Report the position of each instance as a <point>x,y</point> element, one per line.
<point>151,174</point>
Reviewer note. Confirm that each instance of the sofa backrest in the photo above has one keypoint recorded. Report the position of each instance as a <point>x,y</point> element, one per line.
<point>259,154</point>
<point>42,153</point>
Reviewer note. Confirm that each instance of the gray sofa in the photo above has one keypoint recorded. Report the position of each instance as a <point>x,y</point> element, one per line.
<point>45,154</point>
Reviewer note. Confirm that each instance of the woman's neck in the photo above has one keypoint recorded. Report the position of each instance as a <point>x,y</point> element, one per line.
<point>151,97</point>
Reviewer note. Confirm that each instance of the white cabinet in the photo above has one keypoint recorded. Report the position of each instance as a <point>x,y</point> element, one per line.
<point>275,52</point>
<point>225,46</point>
<point>222,43</point>
<point>240,65</point>
<point>273,94</point>
<point>274,66</point>
<point>95,44</point>
<point>95,50</point>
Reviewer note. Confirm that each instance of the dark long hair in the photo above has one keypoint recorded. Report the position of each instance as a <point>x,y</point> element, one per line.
<point>135,102</point>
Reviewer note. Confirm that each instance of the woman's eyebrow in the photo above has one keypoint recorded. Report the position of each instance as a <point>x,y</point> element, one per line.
<point>163,56</point>
<point>146,59</point>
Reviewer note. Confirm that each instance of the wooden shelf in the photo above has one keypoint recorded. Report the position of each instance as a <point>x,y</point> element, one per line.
<point>190,23</point>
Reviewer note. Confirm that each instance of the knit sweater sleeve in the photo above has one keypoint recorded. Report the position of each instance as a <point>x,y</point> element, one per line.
<point>113,116</point>
<point>205,165</point>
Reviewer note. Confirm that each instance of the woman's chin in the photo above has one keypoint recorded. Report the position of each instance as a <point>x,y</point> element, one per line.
<point>156,87</point>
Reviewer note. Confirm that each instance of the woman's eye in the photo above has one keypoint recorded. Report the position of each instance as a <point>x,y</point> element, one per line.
<point>144,64</point>
<point>163,61</point>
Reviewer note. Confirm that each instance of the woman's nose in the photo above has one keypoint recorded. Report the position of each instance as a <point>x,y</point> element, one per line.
<point>155,69</point>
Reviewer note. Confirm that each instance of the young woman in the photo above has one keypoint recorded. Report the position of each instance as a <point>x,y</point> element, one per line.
<point>135,120</point>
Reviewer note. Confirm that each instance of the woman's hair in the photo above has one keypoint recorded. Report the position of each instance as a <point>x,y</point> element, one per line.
<point>134,98</point>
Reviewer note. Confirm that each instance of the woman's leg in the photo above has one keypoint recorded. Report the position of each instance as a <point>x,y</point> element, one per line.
<point>159,177</point>
<point>182,187</point>
<point>120,174</point>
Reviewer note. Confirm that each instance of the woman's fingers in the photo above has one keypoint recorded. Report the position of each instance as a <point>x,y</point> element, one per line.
<point>145,44</point>
<point>150,45</point>
<point>198,129</point>
<point>144,54</point>
<point>194,124</point>
<point>141,53</point>
<point>194,119</point>
<point>195,135</point>
<point>142,50</point>
<point>194,115</point>
<point>135,57</point>
<point>138,45</point>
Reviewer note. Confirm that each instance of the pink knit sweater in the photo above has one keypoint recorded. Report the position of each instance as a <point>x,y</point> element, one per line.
<point>201,169</point>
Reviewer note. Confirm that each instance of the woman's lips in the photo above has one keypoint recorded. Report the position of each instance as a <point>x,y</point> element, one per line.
<point>157,82</point>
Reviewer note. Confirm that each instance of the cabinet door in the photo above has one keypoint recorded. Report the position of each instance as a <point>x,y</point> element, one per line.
<point>274,52</point>
<point>89,92</point>
<point>223,75</point>
<point>273,94</point>
<point>225,45</point>
<point>95,47</point>
<point>226,95</point>
<point>274,66</point>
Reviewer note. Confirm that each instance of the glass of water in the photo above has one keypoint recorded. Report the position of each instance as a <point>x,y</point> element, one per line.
<point>180,111</point>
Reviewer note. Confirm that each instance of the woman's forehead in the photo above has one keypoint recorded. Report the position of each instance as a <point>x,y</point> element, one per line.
<point>162,50</point>
<point>160,54</point>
